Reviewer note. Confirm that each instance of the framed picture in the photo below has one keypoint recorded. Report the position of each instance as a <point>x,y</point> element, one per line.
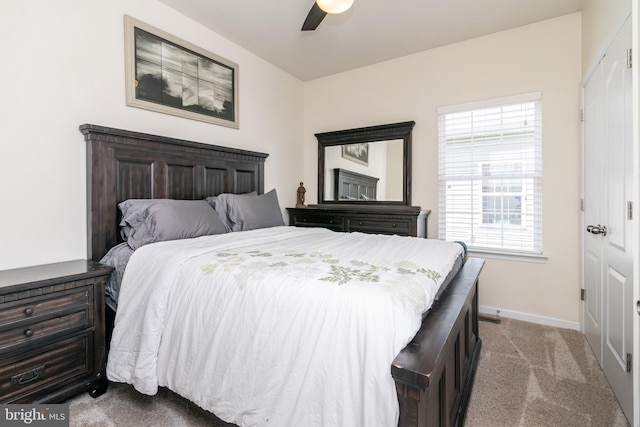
<point>172,76</point>
<point>358,153</point>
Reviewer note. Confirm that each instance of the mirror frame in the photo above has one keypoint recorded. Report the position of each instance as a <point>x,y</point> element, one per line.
<point>392,131</point>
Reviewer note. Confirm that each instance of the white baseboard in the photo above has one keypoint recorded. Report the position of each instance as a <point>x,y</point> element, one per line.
<point>528,317</point>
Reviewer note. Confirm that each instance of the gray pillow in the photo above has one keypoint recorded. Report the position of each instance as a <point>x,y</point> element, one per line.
<point>249,212</point>
<point>117,257</point>
<point>146,221</point>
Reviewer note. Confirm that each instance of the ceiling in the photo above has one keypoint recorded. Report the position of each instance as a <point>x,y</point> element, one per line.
<point>371,31</point>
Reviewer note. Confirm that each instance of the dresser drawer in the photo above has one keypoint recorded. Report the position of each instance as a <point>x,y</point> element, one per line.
<point>335,224</point>
<point>24,377</point>
<point>27,320</point>
<point>400,227</point>
<point>400,220</point>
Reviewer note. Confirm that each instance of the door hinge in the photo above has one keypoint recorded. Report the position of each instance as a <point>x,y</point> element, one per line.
<point>629,364</point>
<point>581,205</point>
<point>583,293</point>
<point>582,115</point>
<point>629,58</point>
<point>629,210</point>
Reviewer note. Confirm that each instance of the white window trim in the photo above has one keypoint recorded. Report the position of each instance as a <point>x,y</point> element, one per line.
<point>508,256</point>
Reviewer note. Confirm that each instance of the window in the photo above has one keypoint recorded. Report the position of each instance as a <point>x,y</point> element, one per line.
<point>501,198</point>
<point>490,174</point>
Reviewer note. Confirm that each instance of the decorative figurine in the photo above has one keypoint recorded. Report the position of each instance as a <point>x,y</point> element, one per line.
<point>300,200</point>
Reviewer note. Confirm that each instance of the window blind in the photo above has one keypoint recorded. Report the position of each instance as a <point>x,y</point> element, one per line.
<point>490,174</point>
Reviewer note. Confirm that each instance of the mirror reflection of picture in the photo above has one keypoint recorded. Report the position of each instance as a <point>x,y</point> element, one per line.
<point>358,153</point>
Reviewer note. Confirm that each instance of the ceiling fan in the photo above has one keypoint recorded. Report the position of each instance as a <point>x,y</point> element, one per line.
<point>321,8</point>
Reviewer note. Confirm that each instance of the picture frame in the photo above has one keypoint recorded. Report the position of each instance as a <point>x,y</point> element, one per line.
<point>172,76</point>
<point>358,153</point>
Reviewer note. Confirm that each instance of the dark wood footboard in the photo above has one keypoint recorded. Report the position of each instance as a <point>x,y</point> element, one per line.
<point>434,374</point>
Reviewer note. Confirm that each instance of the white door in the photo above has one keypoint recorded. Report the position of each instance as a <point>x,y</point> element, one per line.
<point>618,263</point>
<point>608,263</point>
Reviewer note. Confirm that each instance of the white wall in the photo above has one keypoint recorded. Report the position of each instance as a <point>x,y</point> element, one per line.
<point>543,57</point>
<point>62,66</point>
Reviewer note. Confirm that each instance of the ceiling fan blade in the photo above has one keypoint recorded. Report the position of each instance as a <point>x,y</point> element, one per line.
<point>314,18</point>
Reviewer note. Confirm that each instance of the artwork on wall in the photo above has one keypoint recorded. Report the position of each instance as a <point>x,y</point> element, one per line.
<point>172,76</point>
<point>358,153</point>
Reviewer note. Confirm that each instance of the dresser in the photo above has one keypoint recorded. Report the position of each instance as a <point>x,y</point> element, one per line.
<point>52,335</point>
<point>400,220</point>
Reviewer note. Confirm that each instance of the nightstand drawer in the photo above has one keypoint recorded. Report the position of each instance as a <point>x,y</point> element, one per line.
<point>50,366</point>
<point>31,309</point>
<point>401,227</point>
<point>23,333</point>
<point>26,320</point>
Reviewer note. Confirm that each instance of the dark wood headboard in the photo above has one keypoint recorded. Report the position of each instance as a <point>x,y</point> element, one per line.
<point>351,185</point>
<point>125,165</point>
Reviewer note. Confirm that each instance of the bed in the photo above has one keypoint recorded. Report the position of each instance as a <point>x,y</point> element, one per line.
<point>433,374</point>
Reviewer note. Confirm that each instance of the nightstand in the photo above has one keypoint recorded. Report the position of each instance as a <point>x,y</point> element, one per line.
<point>52,334</point>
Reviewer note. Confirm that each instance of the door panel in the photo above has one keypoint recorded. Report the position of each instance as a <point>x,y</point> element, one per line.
<point>593,302</point>
<point>614,336</point>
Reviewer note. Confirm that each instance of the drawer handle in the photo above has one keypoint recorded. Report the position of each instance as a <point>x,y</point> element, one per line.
<point>361,223</point>
<point>27,377</point>
<point>28,311</point>
<point>28,332</point>
<point>394,225</point>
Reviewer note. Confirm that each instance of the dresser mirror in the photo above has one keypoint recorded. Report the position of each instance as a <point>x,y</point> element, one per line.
<point>368,165</point>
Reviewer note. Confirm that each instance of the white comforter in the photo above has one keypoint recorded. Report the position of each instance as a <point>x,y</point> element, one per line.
<point>283,326</point>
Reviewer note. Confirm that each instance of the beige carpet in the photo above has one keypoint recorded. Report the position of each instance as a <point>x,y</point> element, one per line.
<point>528,375</point>
<point>534,375</point>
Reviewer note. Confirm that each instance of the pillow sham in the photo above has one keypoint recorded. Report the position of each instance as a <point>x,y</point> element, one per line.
<point>249,212</point>
<point>212,199</point>
<point>147,221</point>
